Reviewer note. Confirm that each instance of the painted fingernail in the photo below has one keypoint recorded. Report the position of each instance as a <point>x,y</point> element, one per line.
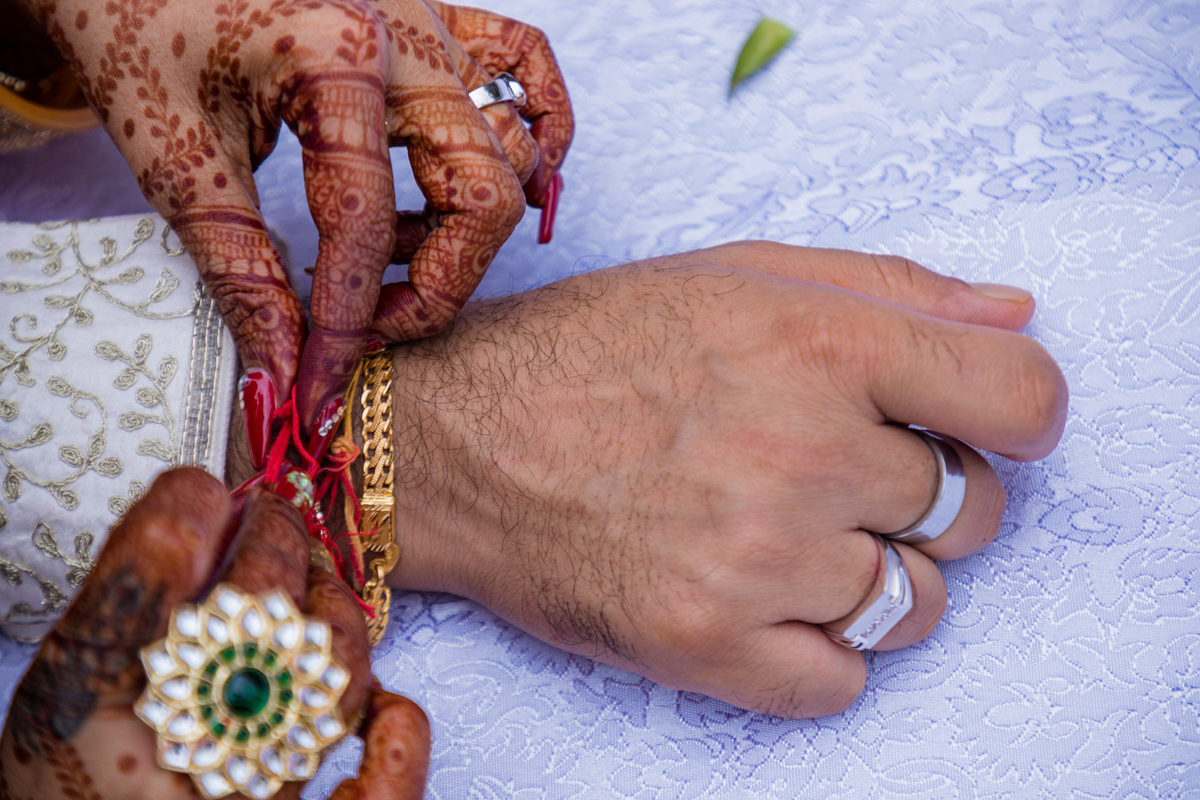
<point>546,230</point>
<point>256,392</point>
<point>999,291</point>
<point>374,345</point>
<point>325,427</point>
<point>249,484</point>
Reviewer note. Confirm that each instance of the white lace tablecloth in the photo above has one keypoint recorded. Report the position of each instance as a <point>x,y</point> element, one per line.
<point>1053,145</point>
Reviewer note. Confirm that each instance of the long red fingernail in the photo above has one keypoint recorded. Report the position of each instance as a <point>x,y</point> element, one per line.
<point>257,393</point>
<point>325,428</point>
<point>248,484</point>
<point>546,230</point>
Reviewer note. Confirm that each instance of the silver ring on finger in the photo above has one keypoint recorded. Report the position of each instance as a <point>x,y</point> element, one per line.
<point>877,621</point>
<point>503,88</point>
<point>948,497</point>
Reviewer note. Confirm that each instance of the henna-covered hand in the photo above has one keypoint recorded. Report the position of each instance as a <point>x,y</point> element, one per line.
<point>72,732</point>
<point>501,44</point>
<point>194,93</point>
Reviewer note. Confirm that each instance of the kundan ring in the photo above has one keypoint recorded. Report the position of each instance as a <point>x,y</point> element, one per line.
<point>889,608</point>
<point>947,498</point>
<point>503,88</point>
<point>242,693</point>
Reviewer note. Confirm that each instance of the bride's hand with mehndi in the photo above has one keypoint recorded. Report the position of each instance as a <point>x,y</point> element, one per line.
<point>73,730</point>
<point>195,93</point>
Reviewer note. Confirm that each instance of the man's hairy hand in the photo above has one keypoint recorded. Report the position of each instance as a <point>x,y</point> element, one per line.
<point>672,466</point>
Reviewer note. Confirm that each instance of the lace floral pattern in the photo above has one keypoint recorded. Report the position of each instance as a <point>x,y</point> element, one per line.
<point>1050,145</point>
<point>1055,147</point>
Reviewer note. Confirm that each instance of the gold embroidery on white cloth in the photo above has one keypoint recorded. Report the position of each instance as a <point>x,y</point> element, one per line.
<point>148,396</point>
<point>71,281</point>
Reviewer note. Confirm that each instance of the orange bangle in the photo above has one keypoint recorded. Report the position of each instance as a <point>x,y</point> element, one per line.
<point>25,124</point>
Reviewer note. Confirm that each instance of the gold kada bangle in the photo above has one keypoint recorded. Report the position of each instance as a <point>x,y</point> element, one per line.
<point>372,387</point>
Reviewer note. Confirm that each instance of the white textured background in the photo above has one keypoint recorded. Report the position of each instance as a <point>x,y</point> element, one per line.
<point>1051,145</point>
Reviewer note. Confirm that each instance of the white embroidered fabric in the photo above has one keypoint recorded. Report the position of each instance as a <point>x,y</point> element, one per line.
<point>1054,146</point>
<point>114,365</point>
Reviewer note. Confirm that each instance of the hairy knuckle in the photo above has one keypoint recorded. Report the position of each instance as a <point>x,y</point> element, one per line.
<point>898,273</point>
<point>816,339</point>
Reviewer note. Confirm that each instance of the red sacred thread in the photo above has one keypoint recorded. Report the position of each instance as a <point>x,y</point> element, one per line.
<point>326,482</point>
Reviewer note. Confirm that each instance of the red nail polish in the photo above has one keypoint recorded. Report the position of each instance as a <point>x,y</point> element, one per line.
<point>257,395</point>
<point>373,346</point>
<point>248,484</point>
<point>546,229</point>
<point>325,428</point>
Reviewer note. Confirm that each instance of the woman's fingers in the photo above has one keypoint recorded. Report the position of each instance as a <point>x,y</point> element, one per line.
<point>338,116</point>
<point>519,145</point>
<point>271,548</point>
<point>891,278</point>
<point>223,232</point>
<point>395,763</point>
<point>466,176</point>
<point>158,556</point>
<point>412,229</point>
<point>331,601</point>
<point>272,553</point>
<point>501,44</point>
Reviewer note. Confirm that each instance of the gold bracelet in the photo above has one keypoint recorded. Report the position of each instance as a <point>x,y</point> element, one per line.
<point>379,549</point>
<point>25,124</point>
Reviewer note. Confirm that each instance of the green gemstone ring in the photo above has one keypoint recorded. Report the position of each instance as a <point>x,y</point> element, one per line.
<point>242,693</point>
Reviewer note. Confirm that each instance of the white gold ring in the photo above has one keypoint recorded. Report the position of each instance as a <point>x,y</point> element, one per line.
<point>889,608</point>
<point>504,88</point>
<point>948,498</point>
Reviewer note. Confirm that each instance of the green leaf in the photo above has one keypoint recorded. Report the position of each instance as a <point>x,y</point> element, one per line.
<point>766,40</point>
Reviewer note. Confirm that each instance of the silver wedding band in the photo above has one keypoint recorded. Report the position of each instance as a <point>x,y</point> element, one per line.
<point>504,88</point>
<point>889,608</point>
<point>947,502</point>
